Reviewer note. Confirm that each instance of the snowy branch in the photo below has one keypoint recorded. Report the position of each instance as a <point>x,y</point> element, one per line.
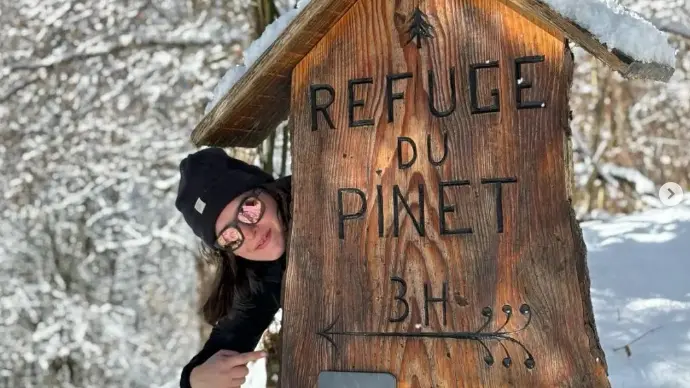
<point>97,266</point>
<point>117,48</point>
<point>17,88</point>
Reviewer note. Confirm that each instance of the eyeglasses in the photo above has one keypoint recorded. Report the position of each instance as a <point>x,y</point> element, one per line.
<point>249,212</point>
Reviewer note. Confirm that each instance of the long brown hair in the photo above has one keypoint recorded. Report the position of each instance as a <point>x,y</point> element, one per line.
<point>235,276</point>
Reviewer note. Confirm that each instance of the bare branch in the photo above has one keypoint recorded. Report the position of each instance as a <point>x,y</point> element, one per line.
<point>627,346</point>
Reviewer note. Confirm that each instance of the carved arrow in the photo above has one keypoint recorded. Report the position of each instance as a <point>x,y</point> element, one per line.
<point>479,335</point>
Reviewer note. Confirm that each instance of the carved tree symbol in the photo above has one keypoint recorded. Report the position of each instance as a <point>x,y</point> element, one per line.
<point>419,27</point>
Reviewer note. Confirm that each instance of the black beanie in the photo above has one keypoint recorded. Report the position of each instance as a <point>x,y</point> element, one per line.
<point>209,180</point>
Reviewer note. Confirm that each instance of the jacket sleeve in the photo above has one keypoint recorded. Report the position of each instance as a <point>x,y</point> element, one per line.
<point>242,328</point>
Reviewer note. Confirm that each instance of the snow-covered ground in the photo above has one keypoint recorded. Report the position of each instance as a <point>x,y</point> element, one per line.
<point>640,271</point>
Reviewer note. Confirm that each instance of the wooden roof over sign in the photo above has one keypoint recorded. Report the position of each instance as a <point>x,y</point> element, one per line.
<point>260,100</point>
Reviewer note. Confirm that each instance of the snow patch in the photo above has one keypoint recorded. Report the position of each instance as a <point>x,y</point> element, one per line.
<point>641,295</point>
<point>619,28</point>
<point>643,185</point>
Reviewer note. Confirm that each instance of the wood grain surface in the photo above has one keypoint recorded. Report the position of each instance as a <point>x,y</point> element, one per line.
<point>342,287</point>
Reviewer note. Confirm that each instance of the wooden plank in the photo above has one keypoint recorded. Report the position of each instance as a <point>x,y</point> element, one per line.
<point>269,76</point>
<point>541,14</point>
<point>343,296</point>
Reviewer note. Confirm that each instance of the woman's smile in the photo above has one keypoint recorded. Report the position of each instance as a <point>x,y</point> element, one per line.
<point>264,241</point>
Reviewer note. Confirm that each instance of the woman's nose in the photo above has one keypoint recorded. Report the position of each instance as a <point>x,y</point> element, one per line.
<point>249,231</point>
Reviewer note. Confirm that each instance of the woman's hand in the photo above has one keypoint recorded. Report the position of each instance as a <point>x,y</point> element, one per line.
<point>225,369</point>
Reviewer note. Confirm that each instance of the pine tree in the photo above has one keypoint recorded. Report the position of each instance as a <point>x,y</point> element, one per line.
<point>419,27</point>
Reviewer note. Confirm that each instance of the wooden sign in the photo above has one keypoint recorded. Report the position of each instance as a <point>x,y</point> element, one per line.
<point>433,237</point>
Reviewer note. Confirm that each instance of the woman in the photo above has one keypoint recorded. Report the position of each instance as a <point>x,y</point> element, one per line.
<point>242,215</point>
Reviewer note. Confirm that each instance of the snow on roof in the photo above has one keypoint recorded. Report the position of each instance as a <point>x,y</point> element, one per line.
<point>619,37</point>
<point>253,52</point>
<point>618,28</point>
<point>608,21</point>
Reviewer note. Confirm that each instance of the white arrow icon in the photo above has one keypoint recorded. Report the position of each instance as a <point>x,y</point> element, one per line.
<point>671,194</point>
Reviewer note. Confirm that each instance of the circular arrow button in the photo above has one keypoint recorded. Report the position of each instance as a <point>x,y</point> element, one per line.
<point>671,194</point>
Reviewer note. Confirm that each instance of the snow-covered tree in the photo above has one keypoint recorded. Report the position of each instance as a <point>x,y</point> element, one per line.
<point>97,101</point>
<point>630,137</point>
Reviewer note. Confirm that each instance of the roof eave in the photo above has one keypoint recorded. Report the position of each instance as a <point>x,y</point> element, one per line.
<point>543,15</point>
<point>260,100</point>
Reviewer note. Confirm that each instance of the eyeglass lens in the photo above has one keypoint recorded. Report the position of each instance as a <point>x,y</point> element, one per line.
<point>250,212</point>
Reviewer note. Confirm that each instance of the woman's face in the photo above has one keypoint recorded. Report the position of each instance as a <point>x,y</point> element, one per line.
<point>263,240</point>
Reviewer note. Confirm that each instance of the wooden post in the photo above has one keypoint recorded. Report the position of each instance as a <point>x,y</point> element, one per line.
<point>433,237</point>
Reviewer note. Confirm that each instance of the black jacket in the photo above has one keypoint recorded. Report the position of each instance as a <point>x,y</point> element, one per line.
<point>242,328</point>
<point>248,317</point>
